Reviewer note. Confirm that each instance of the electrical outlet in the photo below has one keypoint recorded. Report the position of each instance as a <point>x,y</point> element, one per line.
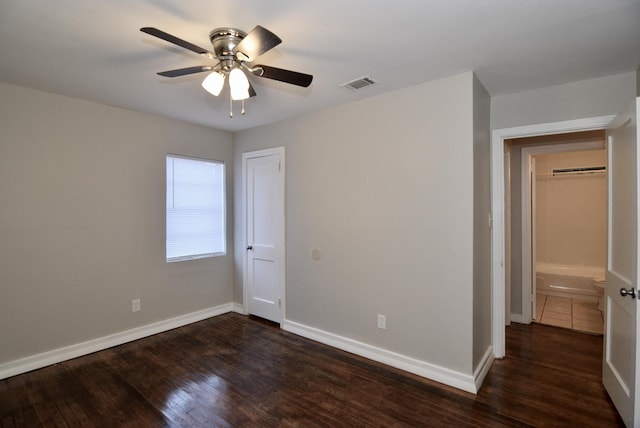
<point>135,305</point>
<point>382,322</point>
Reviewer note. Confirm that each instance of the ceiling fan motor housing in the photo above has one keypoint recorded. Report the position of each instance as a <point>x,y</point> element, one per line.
<point>224,41</point>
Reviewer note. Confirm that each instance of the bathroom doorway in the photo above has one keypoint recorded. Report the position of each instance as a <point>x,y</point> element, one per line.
<point>562,206</point>
<point>501,239</point>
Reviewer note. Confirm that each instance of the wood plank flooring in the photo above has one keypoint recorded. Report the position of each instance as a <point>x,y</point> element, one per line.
<point>239,371</point>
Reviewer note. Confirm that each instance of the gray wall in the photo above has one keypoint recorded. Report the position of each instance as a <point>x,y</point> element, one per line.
<point>481,229</point>
<point>384,189</point>
<point>82,222</point>
<point>577,100</point>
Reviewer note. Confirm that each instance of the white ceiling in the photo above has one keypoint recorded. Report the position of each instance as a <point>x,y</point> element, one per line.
<point>93,49</point>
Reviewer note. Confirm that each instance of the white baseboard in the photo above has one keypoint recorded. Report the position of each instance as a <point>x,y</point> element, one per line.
<point>518,318</point>
<point>54,356</point>
<point>483,368</point>
<point>238,308</point>
<point>443,375</point>
<point>422,368</point>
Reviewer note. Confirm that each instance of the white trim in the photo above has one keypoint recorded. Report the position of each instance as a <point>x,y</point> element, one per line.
<point>498,209</point>
<point>483,368</point>
<point>279,151</point>
<point>54,356</point>
<point>527,168</point>
<point>238,308</point>
<point>443,375</point>
<point>518,318</point>
<point>507,233</point>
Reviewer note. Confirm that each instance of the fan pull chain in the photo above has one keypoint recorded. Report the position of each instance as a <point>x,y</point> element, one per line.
<point>231,106</point>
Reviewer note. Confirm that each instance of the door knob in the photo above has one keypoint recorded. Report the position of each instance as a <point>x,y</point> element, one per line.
<point>250,247</point>
<point>630,292</point>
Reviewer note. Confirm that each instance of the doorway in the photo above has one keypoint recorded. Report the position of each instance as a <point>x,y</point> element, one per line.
<point>498,266</point>
<point>620,354</point>
<point>264,258</point>
<point>562,207</point>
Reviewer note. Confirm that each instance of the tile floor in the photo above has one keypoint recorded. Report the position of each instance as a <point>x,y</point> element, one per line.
<point>564,312</point>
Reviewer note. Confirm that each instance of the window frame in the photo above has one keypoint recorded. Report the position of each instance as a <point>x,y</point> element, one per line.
<point>223,210</point>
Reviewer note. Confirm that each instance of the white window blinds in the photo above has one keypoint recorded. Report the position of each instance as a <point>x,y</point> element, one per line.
<point>195,208</point>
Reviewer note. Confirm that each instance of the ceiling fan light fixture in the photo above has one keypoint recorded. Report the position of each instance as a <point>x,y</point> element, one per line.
<point>232,48</point>
<point>239,85</point>
<point>213,83</point>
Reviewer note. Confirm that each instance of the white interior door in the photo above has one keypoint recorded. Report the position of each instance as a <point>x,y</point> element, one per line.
<point>620,358</point>
<point>264,261</point>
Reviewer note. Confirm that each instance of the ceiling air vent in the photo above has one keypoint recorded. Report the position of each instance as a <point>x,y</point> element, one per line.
<point>359,83</point>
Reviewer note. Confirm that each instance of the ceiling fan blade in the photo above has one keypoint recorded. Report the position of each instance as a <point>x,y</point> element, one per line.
<point>258,41</point>
<point>286,76</point>
<point>252,92</point>
<point>176,41</point>
<point>184,71</point>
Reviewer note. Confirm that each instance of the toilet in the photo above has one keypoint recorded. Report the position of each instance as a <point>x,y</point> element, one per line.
<point>599,284</point>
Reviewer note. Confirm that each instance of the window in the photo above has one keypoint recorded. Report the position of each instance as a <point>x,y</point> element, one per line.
<point>195,208</point>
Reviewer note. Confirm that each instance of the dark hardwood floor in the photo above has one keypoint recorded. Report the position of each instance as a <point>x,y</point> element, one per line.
<point>234,370</point>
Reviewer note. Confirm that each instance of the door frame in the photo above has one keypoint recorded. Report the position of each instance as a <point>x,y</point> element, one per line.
<point>279,151</point>
<point>498,233</point>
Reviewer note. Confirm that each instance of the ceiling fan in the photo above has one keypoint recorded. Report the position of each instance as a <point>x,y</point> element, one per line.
<point>233,50</point>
